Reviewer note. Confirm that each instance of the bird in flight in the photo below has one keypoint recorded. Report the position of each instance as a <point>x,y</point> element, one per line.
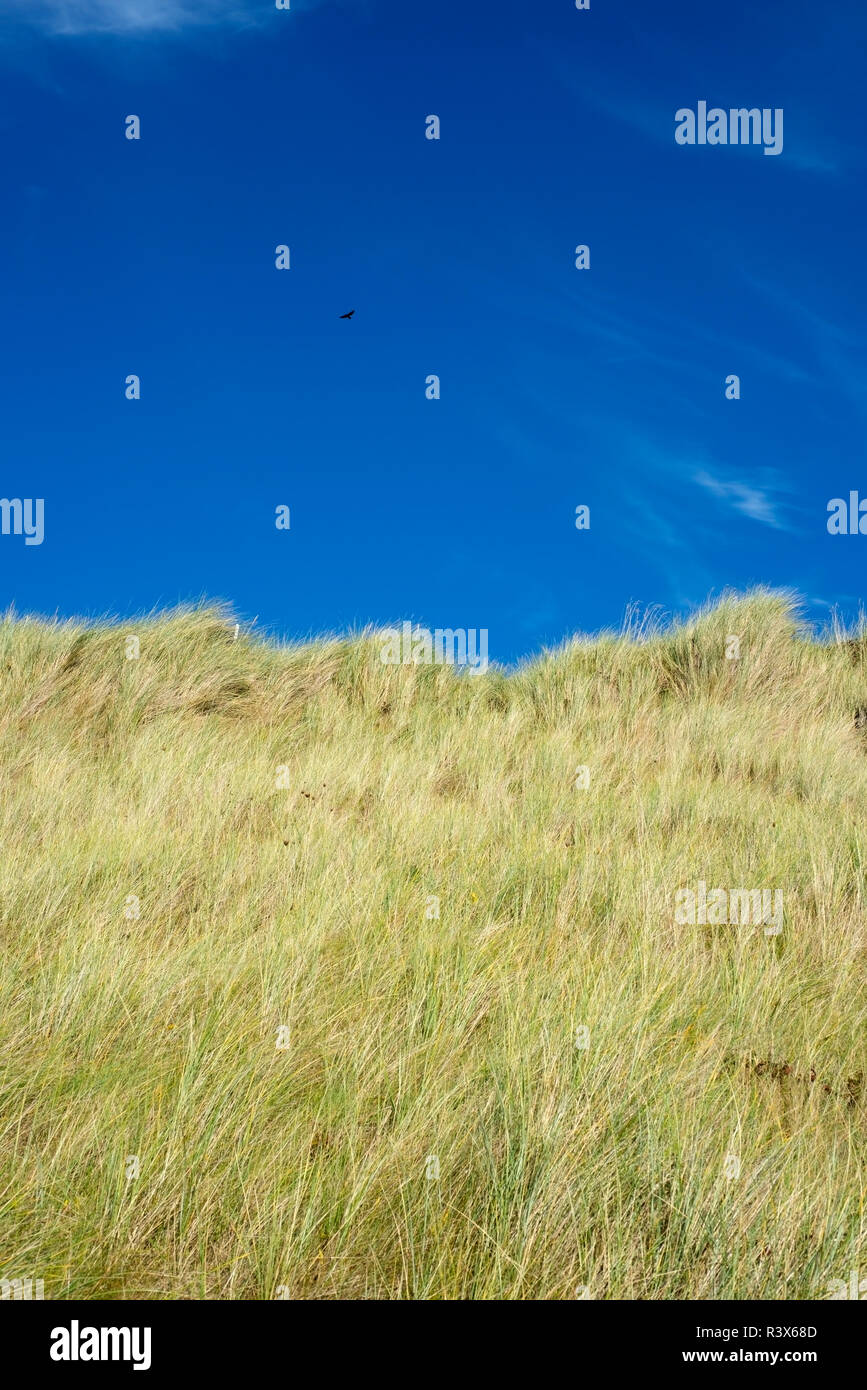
<point>349,315</point>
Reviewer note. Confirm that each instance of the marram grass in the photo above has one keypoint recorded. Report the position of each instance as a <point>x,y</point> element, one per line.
<point>169,915</point>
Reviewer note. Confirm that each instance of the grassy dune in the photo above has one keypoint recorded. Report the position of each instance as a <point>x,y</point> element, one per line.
<point>301,1170</point>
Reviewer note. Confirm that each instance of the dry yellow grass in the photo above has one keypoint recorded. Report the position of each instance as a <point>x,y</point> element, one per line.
<point>166,909</point>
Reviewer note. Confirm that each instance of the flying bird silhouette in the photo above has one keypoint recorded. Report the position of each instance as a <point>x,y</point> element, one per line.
<point>349,315</point>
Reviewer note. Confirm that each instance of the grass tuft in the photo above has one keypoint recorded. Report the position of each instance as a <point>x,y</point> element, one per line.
<point>223,838</point>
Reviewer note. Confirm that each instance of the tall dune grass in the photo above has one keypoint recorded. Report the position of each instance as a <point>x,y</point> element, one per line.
<point>710,1140</point>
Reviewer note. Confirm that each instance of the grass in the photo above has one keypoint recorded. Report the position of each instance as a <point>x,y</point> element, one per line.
<point>166,908</point>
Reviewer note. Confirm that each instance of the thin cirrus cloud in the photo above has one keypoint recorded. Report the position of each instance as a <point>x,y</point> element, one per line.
<point>129,17</point>
<point>810,148</point>
<point>754,502</point>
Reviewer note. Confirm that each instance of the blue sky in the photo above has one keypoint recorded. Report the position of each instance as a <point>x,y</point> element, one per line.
<point>559,387</point>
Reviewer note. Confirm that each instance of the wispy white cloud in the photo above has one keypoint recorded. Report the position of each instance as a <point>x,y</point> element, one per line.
<point>836,336</point>
<point>128,16</point>
<point>810,147</point>
<point>754,502</point>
